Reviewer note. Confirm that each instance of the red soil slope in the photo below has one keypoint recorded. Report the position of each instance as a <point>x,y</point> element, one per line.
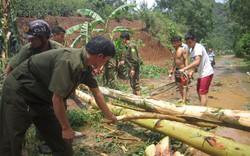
<point>152,53</point>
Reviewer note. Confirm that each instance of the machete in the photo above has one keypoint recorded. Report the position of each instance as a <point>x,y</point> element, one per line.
<point>78,102</point>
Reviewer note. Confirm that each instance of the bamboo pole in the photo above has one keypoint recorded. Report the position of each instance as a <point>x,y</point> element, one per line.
<point>232,118</point>
<point>205,141</point>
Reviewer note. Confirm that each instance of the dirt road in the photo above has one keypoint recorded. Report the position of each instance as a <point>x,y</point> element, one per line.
<point>230,87</point>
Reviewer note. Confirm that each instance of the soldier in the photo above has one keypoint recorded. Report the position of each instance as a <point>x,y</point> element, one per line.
<point>58,34</point>
<point>38,33</point>
<point>132,61</point>
<point>108,75</point>
<point>34,93</point>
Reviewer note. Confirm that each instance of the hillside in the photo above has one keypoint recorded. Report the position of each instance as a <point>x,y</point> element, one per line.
<point>152,53</point>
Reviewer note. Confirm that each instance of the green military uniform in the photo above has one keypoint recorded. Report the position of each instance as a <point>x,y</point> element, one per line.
<point>108,76</point>
<point>132,61</point>
<point>121,70</point>
<point>28,50</point>
<point>27,97</point>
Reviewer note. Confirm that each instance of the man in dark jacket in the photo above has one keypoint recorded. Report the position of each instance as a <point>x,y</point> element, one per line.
<point>36,90</point>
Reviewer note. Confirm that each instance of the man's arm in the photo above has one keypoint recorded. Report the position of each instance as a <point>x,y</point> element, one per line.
<point>99,98</point>
<point>173,66</point>
<point>185,56</point>
<point>193,65</point>
<point>60,112</point>
<point>7,70</point>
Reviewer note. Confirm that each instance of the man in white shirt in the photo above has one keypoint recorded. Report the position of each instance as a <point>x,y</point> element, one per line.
<point>211,56</point>
<point>201,61</point>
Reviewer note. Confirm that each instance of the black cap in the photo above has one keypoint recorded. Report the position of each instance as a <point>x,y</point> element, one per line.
<point>37,28</point>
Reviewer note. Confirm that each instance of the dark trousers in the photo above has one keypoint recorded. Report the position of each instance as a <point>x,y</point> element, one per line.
<point>16,117</point>
<point>134,81</point>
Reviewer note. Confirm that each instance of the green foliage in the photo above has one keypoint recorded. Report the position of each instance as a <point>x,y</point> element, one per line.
<point>195,14</point>
<point>240,24</point>
<point>30,142</point>
<point>243,46</point>
<point>240,12</point>
<point>87,28</point>
<point>79,118</point>
<point>220,39</point>
<point>247,107</point>
<point>39,9</point>
<point>159,26</point>
<point>152,71</point>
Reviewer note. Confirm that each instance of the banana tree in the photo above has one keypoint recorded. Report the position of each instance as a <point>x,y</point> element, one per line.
<point>8,30</point>
<point>87,29</point>
<point>105,23</point>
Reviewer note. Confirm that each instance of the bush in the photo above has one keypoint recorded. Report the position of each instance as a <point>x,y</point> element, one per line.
<point>152,71</point>
<point>243,46</point>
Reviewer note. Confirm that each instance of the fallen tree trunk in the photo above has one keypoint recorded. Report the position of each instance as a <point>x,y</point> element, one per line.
<point>231,118</point>
<point>149,115</point>
<point>205,141</point>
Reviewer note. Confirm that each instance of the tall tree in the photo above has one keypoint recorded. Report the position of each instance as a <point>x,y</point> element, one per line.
<point>240,13</point>
<point>240,16</point>
<point>195,14</point>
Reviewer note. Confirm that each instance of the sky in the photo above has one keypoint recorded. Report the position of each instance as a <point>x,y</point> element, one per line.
<point>151,2</point>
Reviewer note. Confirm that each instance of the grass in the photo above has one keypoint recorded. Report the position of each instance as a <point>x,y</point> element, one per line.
<point>244,65</point>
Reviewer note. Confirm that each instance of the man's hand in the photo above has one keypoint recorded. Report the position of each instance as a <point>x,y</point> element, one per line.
<point>190,75</point>
<point>170,74</point>
<point>121,63</point>
<point>68,135</point>
<point>182,70</point>
<point>111,119</point>
<point>98,71</point>
<point>132,73</point>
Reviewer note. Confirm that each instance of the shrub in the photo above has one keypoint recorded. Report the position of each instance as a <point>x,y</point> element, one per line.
<point>243,46</point>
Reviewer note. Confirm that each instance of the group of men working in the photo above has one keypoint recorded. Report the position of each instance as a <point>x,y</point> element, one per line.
<point>184,71</point>
<point>38,83</point>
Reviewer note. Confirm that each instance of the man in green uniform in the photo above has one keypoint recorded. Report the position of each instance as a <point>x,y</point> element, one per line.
<point>132,60</point>
<point>109,74</point>
<point>57,34</point>
<point>34,93</point>
<point>38,33</point>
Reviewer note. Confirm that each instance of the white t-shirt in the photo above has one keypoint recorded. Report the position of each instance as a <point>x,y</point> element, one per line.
<point>211,56</point>
<point>204,68</point>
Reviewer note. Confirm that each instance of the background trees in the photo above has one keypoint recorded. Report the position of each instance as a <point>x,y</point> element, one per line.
<point>239,13</point>
<point>223,27</point>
